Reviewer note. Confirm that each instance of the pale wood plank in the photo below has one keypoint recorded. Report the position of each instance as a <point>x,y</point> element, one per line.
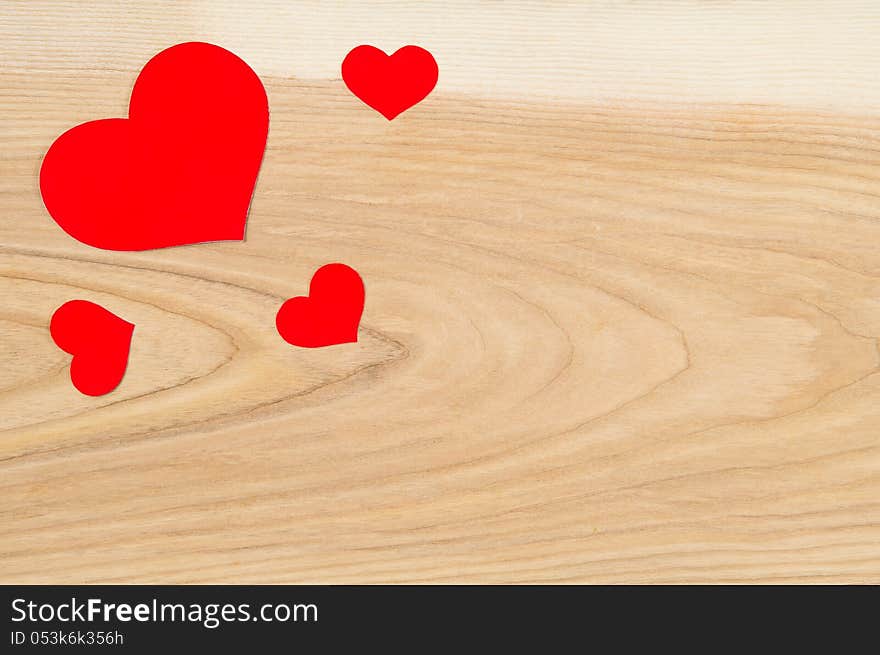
<point>606,339</point>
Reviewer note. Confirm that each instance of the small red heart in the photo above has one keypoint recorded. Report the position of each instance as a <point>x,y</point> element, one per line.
<point>390,85</point>
<point>181,169</point>
<point>329,315</point>
<point>98,340</point>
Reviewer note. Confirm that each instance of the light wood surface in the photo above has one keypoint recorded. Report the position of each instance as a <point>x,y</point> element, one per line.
<point>622,317</point>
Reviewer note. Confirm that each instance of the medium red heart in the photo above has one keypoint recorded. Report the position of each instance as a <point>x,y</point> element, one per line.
<point>98,340</point>
<point>329,315</point>
<point>181,169</point>
<point>390,85</point>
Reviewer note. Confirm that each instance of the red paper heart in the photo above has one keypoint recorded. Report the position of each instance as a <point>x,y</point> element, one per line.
<point>181,169</point>
<point>390,85</point>
<point>98,340</point>
<point>329,315</point>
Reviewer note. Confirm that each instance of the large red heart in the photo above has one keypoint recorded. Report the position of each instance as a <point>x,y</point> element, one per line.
<point>181,169</point>
<point>390,85</point>
<point>329,315</point>
<point>98,340</point>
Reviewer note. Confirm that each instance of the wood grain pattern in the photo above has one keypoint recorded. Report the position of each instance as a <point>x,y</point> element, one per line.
<point>606,338</point>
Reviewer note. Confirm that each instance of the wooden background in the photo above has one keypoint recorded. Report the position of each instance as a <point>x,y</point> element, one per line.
<point>622,319</point>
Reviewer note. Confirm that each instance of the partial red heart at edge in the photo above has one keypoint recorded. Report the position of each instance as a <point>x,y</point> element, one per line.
<point>329,315</point>
<point>180,169</point>
<point>98,340</point>
<point>390,84</point>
